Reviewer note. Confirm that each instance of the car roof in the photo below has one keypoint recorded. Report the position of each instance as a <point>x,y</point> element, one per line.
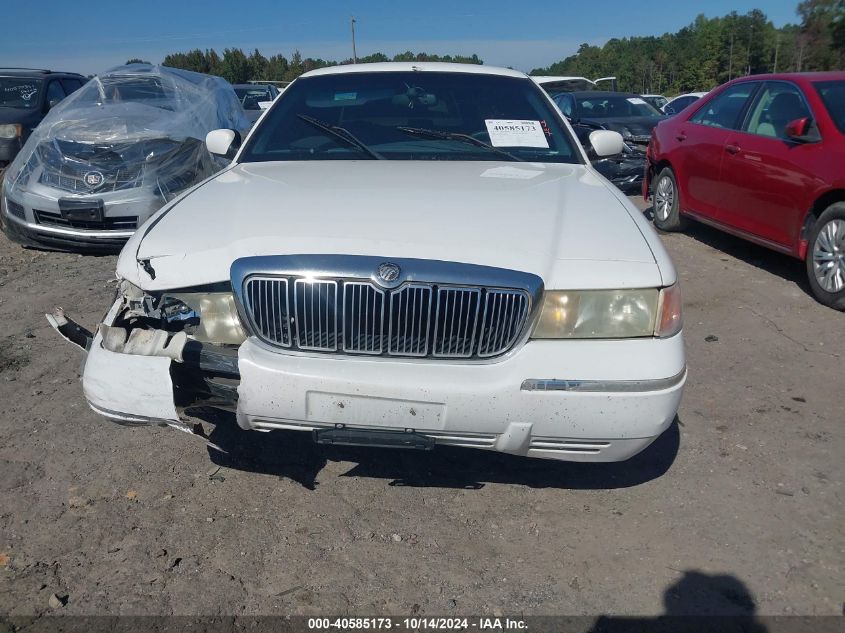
<point>256,86</point>
<point>690,94</point>
<point>443,67</point>
<point>34,72</point>
<point>831,75</point>
<point>602,93</point>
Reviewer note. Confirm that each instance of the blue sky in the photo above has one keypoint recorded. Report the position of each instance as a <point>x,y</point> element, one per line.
<point>91,35</point>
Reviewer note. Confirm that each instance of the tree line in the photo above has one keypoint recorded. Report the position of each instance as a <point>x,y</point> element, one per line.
<point>236,66</point>
<point>710,51</point>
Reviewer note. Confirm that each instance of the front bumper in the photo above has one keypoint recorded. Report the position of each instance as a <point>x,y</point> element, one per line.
<point>569,400</point>
<point>28,228</point>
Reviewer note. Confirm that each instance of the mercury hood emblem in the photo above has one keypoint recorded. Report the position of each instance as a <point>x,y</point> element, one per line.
<point>388,272</point>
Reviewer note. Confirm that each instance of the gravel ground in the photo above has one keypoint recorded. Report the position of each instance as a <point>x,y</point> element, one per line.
<point>737,509</point>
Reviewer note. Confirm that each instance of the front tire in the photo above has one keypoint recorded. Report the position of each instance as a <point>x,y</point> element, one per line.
<point>667,202</point>
<point>826,257</point>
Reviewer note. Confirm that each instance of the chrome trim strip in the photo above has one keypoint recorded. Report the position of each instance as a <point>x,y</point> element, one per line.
<point>603,386</point>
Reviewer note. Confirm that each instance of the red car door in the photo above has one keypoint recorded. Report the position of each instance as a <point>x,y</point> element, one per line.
<point>698,147</point>
<point>765,175</point>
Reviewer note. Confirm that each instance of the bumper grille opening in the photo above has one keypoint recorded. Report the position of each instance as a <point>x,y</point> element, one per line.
<point>116,223</point>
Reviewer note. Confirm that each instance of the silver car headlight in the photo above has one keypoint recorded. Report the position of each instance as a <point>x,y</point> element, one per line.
<point>608,314</point>
<point>10,130</point>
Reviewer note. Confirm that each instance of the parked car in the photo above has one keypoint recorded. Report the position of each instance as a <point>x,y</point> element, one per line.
<point>680,102</point>
<point>26,96</point>
<point>401,254</point>
<point>255,98</point>
<point>762,158</point>
<point>655,101</point>
<point>112,154</point>
<point>553,85</point>
<point>622,112</point>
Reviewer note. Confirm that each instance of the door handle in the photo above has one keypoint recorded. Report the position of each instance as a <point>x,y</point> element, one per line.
<point>732,149</point>
<point>681,137</point>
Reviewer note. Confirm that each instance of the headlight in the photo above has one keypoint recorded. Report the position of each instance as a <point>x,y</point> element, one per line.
<point>212,316</point>
<point>609,314</point>
<point>10,130</point>
<point>208,317</point>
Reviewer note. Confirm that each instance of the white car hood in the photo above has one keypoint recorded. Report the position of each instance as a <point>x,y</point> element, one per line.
<point>559,221</point>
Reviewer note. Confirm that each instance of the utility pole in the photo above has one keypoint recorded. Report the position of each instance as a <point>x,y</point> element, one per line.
<point>354,53</point>
<point>731,59</point>
<point>777,46</point>
<point>748,54</point>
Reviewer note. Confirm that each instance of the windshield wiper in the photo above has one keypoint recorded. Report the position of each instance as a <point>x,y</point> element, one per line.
<point>457,136</point>
<point>342,133</point>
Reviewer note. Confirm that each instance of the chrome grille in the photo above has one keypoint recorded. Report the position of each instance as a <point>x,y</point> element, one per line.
<point>455,322</point>
<point>316,314</point>
<point>363,318</point>
<point>269,307</point>
<point>410,310</point>
<point>72,178</point>
<point>504,311</point>
<point>356,316</point>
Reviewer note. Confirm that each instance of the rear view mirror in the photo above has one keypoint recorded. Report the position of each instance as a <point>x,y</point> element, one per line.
<point>606,142</point>
<point>223,142</point>
<point>801,130</point>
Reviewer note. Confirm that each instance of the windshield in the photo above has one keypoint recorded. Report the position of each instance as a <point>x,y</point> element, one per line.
<point>411,116</point>
<point>250,97</point>
<point>151,91</point>
<point>20,93</point>
<point>833,96</point>
<point>617,107</point>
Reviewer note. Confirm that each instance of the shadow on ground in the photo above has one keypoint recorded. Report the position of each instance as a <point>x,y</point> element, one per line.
<point>293,455</point>
<point>696,602</point>
<point>765,259</point>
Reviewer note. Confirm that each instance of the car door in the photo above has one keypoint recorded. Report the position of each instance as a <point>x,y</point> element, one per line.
<point>764,173</point>
<point>697,155</point>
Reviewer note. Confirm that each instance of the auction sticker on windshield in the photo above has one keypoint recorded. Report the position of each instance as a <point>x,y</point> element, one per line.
<point>516,133</point>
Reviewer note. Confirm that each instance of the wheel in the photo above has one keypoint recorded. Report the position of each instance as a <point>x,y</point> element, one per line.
<point>826,257</point>
<point>667,214</point>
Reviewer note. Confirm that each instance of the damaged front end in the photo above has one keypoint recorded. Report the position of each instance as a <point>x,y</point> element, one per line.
<point>157,354</point>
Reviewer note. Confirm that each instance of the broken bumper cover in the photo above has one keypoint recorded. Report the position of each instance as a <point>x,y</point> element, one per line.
<point>518,405</point>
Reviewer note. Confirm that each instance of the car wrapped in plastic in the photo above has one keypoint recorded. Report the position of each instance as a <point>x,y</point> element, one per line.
<point>113,153</point>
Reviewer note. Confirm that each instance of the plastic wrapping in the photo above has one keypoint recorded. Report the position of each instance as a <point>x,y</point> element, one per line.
<point>113,152</point>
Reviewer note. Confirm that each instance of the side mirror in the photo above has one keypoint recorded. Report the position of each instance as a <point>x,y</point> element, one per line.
<point>606,143</point>
<point>223,142</point>
<point>668,110</point>
<point>801,130</point>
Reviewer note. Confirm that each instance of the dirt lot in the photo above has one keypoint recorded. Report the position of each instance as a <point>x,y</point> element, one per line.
<point>737,509</point>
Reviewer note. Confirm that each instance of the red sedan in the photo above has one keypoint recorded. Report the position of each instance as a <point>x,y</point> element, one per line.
<point>761,157</point>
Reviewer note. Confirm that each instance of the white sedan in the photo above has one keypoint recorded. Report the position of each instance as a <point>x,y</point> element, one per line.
<point>401,254</point>
<point>676,104</point>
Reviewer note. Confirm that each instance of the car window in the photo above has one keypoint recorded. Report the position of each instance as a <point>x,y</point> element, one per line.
<point>605,107</point>
<point>410,115</point>
<point>566,103</point>
<point>725,108</point>
<point>71,85</point>
<point>775,105</point>
<point>251,97</point>
<point>20,92</point>
<point>832,94</point>
<point>55,92</point>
